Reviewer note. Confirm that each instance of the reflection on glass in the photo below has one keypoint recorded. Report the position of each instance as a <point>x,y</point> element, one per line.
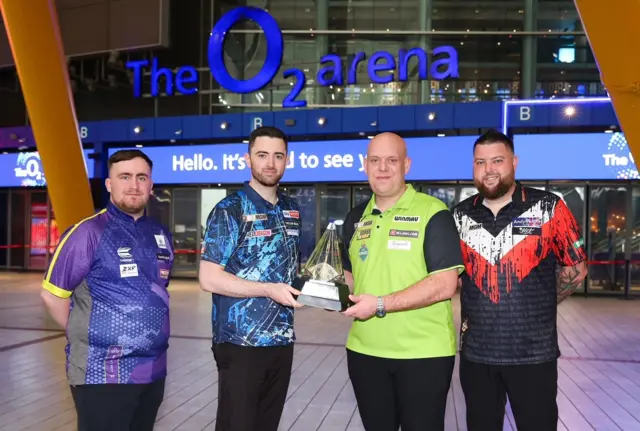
<point>635,240</point>
<point>38,231</point>
<point>4,226</point>
<point>361,194</point>
<point>185,231</point>
<point>552,13</point>
<point>18,227</point>
<point>334,205</point>
<point>306,197</point>
<point>607,231</point>
<point>402,15</point>
<point>159,206</point>
<point>445,194</point>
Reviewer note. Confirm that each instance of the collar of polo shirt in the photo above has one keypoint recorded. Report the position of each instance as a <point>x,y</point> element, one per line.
<point>403,203</point>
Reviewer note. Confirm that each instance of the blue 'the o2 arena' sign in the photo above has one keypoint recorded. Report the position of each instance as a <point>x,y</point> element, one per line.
<point>185,79</point>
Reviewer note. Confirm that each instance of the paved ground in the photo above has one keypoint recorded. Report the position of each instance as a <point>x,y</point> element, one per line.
<point>599,379</point>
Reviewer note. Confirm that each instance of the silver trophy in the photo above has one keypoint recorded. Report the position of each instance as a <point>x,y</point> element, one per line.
<point>321,281</point>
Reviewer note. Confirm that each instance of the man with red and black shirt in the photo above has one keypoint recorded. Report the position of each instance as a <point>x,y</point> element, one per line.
<point>513,239</point>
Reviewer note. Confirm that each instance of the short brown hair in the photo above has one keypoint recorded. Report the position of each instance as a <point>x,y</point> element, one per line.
<point>124,155</point>
<point>270,132</point>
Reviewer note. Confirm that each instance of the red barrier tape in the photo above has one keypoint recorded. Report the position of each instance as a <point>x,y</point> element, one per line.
<point>18,246</point>
<point>185,251</point>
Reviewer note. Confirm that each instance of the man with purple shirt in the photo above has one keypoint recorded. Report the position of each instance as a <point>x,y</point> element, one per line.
<point>107,286</point>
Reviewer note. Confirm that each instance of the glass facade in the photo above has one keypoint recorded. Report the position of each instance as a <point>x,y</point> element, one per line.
<point>506,49</point>
<point>28,230</point>
<point>4,227</point>
<point>515,49</point>
<point>609,214</point>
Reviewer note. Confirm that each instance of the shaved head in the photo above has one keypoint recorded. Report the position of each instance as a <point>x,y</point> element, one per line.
<point>389,142</point>
<point>387,164</point>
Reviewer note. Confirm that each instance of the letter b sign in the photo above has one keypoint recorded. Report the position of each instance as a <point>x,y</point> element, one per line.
<point>525,113</point>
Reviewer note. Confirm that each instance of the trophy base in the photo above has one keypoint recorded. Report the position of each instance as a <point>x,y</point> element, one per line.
<point>322,294</point>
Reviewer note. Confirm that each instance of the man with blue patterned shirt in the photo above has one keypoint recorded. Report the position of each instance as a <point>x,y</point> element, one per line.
<point>107,286</point>
<point>249,259</point>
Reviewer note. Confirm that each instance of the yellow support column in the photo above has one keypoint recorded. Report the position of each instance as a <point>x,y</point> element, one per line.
<point>36,44</point>
<point>612,29</point>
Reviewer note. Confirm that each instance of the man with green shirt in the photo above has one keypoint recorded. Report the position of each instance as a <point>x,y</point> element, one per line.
<point>402,257</point>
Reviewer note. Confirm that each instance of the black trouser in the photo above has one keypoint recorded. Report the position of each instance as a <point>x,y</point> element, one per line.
<point>411,393</point>
<point>252,386</point>
<point>531,389</point>
<point>118,407</point>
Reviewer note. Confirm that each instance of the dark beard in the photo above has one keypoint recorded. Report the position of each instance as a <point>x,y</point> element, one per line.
<point>263,180</point>
<point>503,187</point>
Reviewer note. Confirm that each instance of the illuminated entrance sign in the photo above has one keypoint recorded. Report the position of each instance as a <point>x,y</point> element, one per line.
<point>185,79</point>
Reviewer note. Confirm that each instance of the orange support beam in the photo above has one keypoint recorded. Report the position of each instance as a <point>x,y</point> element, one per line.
<point>36,44</point>
<point>612,29</point>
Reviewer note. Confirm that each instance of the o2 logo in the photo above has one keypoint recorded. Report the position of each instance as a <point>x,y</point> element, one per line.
<point>29,168</point>
<point>619,158</point>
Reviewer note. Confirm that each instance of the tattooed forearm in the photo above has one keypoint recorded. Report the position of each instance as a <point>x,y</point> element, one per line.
<point>568,279</point>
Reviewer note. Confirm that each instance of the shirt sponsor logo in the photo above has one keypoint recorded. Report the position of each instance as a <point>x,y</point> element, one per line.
<point>527,222</point>
<point>399,245</point>
<point>579,243</point>
<point>162,256</point>
<point>525,230</point>
<point>112,364</point>
<point>406,219</point>
<point>364,233</point>
<point>124,252</point>
<point>292,226</point>
<point>291,214</point>
<point>404,233</point>
<point>161,240</point>
<point>363,252</point>
<point>362,224</point>
<point>259,233</point>
<point>164,273</point>
<point>128,270</point>
<point>253,217</point>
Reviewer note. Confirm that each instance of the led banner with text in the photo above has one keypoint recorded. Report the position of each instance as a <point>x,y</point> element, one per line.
<point>25,169</point>
<point>584,156</point>
<point>575,156</point>
<point>447,158</point>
